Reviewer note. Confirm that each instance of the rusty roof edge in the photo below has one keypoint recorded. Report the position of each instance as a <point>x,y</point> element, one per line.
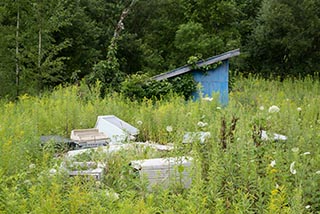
<point>187,68</point>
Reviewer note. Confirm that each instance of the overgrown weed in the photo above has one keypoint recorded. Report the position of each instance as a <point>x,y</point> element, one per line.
<point>236,172</point>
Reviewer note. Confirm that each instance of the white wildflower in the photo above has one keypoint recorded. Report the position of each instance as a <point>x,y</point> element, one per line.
<point>306,153</point>
<point>202,124</point>
<point>274,109</point>
<point>32,166</point>
<point>292,170</point>
<point>52,171</point>
<point>218,108</point>
<point>299,109</point>
<point>308,207</point>
<point>169,129</point>
<point>264,135</point>
<point>318,172</point>
<point>27,182</point>
<point>277,186</point>
<point>112,195</point>
<point>139,122</point>
<point>261,108</point>
<point>207,99</point>
<point>295,149</point>
<point>273,163</point>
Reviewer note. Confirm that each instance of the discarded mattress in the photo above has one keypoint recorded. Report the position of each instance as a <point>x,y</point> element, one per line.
<point>164,172</point>
<point>117,129</point>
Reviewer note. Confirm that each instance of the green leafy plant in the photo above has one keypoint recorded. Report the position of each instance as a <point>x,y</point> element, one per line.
<point>139,86</point>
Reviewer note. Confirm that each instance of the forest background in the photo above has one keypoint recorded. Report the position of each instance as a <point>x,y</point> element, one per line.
<point>47,43</point>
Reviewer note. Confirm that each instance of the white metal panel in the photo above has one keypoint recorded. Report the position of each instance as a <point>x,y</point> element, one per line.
<point>93,169</point>
<point>164,171</point>
<point>120,124</point>
<point>116,135</point>
<point>117,129</point>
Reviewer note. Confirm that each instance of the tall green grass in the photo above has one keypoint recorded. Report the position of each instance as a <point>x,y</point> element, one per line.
<point>233,172</point>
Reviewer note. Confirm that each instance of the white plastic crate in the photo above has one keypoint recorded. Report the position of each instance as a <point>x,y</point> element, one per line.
<point>165,172</point>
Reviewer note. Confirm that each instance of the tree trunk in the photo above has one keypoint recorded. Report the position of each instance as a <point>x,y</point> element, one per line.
<point>39,45</point>
<point>17,53</point>
<point>39,48</point>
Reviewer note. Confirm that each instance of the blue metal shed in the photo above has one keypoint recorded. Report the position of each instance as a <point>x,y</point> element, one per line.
<point>212,81</point>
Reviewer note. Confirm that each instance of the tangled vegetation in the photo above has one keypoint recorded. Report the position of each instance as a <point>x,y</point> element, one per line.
<point>236,171</point>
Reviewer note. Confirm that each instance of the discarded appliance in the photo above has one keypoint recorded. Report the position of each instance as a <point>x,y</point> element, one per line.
<point>164,172</point>
<point>58,142</point>
<point>88,138</point>
<point>91,169</point>
<point>191,137</point>
<point>264,136</point>
<point>117,129</point>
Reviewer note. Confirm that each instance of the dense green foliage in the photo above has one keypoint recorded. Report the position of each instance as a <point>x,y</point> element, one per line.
<point>236,172</point>
<point>47,43</point>
<point>139,87</point>
<point>286,38</point>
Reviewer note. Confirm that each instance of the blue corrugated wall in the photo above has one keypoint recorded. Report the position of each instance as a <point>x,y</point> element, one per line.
<point>215,80</point>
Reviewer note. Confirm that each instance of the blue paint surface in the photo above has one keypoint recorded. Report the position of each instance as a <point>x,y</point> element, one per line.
<point>214,81</point>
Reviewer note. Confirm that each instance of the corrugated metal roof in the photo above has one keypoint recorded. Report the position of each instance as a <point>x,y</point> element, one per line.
<point>187,68</point>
